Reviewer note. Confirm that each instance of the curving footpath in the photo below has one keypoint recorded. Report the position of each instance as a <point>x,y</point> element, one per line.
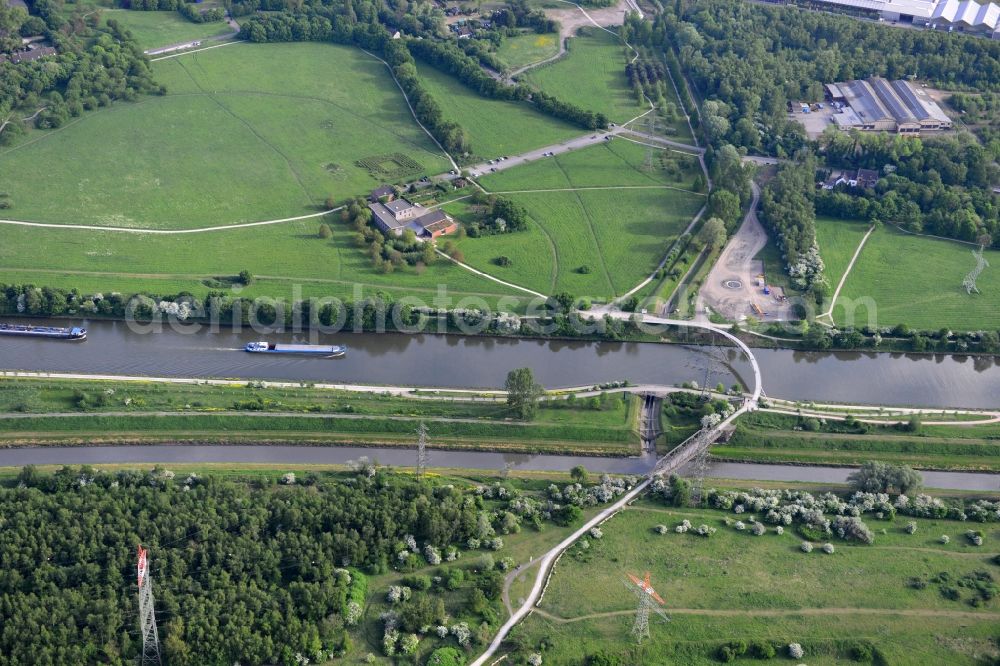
<point>548,560</point>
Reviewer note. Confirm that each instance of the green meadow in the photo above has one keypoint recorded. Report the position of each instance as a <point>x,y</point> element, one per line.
<point>902,278</point>
<point>527,48</point>
<point>280,256</point>
<point>592,76</point>
<point>494,127</point>
<point>734,586</point>
<point>583,239</point>
<point>155,29</point>
<point>300,114</point>
<point>838,240</point>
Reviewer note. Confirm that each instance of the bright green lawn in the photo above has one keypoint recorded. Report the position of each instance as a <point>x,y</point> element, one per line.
<point>527,48</point>
<point>838,240</point>
<point>494,127</point>
<point>918,281</point>
<point>737,586</point>
<point>280,256</point>
<point>592,76</point>
<point>618,234</point>
<point>155,29</point>
<point>247,132</point>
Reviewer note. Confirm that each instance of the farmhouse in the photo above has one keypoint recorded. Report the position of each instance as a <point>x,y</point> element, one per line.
<point>33,52</point>
<point>888,106</point>
<point>392,217</point>
<point>864,178</point>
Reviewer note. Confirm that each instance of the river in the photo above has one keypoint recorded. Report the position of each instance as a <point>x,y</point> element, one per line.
<point>946,381</point>
<point>335,455</point>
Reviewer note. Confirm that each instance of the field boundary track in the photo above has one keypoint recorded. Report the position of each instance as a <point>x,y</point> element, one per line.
<point>141,230</point>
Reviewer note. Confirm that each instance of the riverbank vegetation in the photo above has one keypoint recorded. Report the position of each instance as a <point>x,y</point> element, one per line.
<point>269,568</point>
<point>777,595</point>
<point>40,411</point>
<point>780,438</point>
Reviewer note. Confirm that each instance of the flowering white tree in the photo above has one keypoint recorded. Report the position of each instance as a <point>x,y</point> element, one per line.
<point>795,651</point>
<point>535,659</point>
<point>596,532</point>
<point>911,527</point>
<point>806,547</point>
<point>661,529</point>
<point>944,539</point>
<point>353,614</point>
<point>828,548</point>
<point>779,530</point>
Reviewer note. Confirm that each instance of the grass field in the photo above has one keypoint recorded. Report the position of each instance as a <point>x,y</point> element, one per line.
<point>280,256</point>
<point>276,106</point>
<point>592,76</point>
<point>838,240</point>
<point>734,586</point>
<point>156,29</point>
<point>918,281</point>
<point>76,411</point>
<point>619,235</point>
<point>763,437</point>
<point>527,48</point>
<point>494,127</point>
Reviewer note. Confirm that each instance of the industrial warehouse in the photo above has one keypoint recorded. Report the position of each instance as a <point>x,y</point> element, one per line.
<point>888,106</point>
<point>951,15</point>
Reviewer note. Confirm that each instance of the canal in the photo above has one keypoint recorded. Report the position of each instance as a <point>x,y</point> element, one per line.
<point>945,381</point>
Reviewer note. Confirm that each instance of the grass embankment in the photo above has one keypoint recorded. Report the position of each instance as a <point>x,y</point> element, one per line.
<point>592,76</point>
<point>155,29</point>
<point>918,281</point>
<point>494,127</point>
<point>765,437</point>
<point>110,412</point>
<point>734,586</point>
<point>583,240</point>
<point>276,106</point>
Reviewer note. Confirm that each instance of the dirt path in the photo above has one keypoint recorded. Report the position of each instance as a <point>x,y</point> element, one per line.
<point>847,271</point>
<point>775,612</point>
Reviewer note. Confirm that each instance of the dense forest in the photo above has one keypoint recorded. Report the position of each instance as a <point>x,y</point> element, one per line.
<point>243,572</point>
<point>94,65</point>
<point>785,54</point>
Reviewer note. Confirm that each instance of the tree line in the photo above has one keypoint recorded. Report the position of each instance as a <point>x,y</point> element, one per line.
<point>186,9</point>
<point>787,210</point>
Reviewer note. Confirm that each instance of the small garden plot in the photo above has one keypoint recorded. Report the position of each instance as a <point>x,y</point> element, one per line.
<point>394,166</point>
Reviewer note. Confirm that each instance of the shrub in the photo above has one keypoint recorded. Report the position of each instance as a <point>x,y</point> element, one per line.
<point>762,650</point>
<point>975,537</point>
<point>705,530</point>
<point>806,547</point>
<point>944,539</point>
<point>828,548</point>
<point>758,529</point>
<point>661,529</point>
<point>861,652</point>
<point>779,530</point>
<point>851,528</point>
<point>446,656</point>
<point>324,231</point>
<point>911,527</point>
<point>503,260</point>
<point>730,651</point>
<point>583,270</point>
<point>795,651</point>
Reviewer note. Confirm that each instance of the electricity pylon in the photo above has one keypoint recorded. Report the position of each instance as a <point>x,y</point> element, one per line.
<point>649,601</point>
<point>147,615</point>
<point>422,457</point>
<point>970,280</point>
